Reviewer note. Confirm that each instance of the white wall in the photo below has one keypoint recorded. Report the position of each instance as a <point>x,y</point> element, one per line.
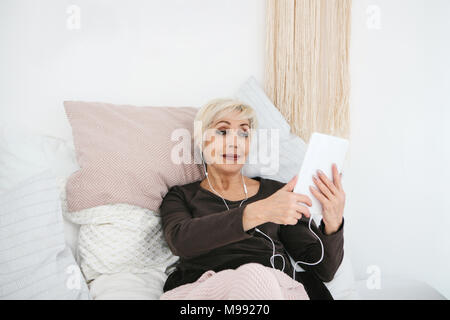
<point>182,53</point>
<point>158,52</point>
<point>397,175</point>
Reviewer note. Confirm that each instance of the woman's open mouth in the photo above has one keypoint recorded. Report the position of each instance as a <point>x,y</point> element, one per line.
<point>231,156</point>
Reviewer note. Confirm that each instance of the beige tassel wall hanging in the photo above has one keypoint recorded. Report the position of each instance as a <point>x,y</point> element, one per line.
<point>307,61</point>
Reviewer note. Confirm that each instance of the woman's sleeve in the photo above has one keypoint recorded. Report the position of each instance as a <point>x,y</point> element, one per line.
<point>304,246</point>
<point>188,236</point>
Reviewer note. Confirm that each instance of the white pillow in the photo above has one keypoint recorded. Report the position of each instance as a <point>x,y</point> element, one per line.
<point>71,230</point>
<point>24,153</point>
<point>35,263</point>
<point>291,154</point>
<point>292,148</point>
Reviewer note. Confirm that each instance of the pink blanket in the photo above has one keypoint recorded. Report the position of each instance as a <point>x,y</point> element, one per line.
<point>251,281</point>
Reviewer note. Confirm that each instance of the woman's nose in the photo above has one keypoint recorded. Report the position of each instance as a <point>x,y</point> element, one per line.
<point>232,140</point>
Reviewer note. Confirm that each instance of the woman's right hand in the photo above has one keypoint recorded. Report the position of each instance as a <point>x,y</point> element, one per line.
<point>282,207</point>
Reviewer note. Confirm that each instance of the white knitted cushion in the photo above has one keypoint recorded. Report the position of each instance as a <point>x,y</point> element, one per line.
<point>119,238</point>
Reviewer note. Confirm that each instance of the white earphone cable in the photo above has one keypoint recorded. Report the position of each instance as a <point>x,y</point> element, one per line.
<point>309,263</point>
<point>272,258</point>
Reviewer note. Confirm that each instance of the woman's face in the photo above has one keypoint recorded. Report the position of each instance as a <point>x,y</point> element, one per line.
<point>227,143</point>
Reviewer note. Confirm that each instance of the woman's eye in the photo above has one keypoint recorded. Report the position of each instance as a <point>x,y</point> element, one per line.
<point>221,132</point>
<point>243,134</point>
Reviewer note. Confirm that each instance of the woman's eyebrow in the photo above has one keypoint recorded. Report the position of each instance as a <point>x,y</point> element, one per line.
<point>242,124</point>
<point>223,122</point>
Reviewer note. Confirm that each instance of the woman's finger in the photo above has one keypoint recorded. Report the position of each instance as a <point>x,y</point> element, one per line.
<point>303,210</point>
<point>323,188</point>
<point>328,183</point>
<point>318,195</point>
<point>337,177</point>
<point>303,198</point>
<point>291,184</point>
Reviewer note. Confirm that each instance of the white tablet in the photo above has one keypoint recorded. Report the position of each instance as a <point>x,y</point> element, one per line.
<point>323,150</point>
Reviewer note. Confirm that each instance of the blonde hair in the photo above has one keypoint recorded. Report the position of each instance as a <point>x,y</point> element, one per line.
<point>215,109</point>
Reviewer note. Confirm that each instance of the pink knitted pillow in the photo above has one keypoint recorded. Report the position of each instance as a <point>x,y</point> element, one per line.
<point>124,154</point>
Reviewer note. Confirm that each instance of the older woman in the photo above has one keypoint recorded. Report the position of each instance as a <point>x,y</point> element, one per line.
<point>228,220</point>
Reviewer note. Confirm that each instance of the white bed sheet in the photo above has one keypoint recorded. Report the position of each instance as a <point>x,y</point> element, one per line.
<point>128,286</point>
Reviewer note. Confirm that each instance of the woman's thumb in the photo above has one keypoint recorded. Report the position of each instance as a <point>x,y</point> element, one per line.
<point>291,184</point>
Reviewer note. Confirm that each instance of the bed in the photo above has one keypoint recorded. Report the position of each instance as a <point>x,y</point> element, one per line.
<point>148,285</point>
<point>90,255</point>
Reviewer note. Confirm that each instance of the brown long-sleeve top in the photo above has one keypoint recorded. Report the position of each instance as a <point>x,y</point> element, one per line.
<point>206,236</point>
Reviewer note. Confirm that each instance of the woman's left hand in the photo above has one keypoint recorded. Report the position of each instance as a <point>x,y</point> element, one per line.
<point>332,197</point>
